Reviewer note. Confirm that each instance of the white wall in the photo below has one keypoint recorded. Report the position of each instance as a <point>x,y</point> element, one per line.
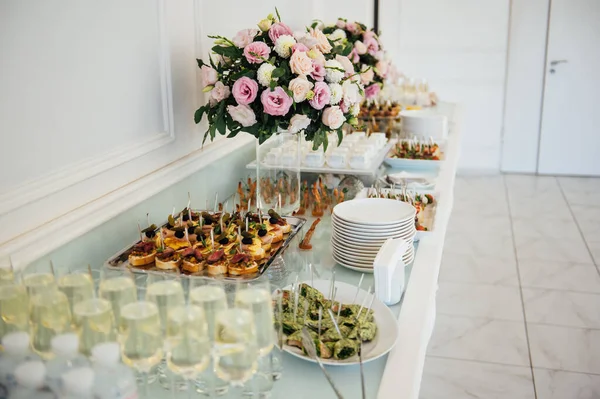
<point>525,85</point>
<point>460,47</point>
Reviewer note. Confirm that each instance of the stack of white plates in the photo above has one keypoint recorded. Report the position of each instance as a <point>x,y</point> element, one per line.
<point>361,226</point>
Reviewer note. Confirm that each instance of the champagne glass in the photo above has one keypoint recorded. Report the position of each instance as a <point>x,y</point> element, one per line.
<point>140,337</point>
<point>38,278</point>
<point>209,294</point>
<point>256,298</point>
<point>117,287</point>
<point>187,343</point>
<point>94,322</point>
<point>77,285</point>
<point>7,275</point>
<point>49,315</point>
<point>236,352</point>
<point>14,307</point>
<point>165,291</point>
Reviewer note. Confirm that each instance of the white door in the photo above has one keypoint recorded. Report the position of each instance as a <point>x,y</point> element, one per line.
<point>570,132</point>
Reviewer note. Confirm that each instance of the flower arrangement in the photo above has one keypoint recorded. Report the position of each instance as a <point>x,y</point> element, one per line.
<point>266,80</point>
<point>364,50</point>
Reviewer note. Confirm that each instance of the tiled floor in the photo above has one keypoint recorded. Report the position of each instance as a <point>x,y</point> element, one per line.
<point>518,308</point>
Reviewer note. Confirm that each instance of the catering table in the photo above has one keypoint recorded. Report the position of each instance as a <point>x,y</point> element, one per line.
<point>398,374</point>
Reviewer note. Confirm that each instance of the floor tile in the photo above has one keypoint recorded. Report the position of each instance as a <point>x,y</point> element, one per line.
<point>529,186</point>
<point>478,269</point>
<point>480,300</point>
<point>582,197</point>
<point>482,339</point>
<point>567,276</point>
<point>564,348</point>
<point>541,206</point>
<point>552,249</point>
<point>590,229</point>
<point>477,244</point>
<point>586,213</point>
<point>554,384</point>
<point>594,247</point>
<point>465,222</point>
<point>579,184</point>
<point>565,228</point>
<point>562,308</point>
<point>458,379</point>
<point>473,184</point>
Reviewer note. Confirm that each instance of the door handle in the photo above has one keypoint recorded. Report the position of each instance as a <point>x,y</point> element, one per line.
<point>556,62</point>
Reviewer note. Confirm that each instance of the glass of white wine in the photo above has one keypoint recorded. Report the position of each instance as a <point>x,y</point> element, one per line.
<point>77,285</point>
<point>209,293</point>
<point>188,348</point>
<point>236,351</point>
<point>14,308</point>
<point>7,275</point>
<point>49,315</point>
<point>94,323</point>
<point>38,278</point>
<point>256,297</point>
<point>141,338</point>
<point>118,287</point>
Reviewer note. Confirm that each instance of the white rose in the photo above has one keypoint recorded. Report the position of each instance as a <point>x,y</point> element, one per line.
<point>355,109</point>
<point>283,45</point>
<point>334,71</point>
<point>337,34</point>
<point>263,74</point>
<point>304,38</point>
<point>244,37</point>
<point>300,87</point>
<point>360,47</point>
<point>220,92</point>
<point>298,123</point>
<point>336,93</point>
<point>242,114</point>
<point>351,92</point>
<point>333,117</point>
<point>346,63</point>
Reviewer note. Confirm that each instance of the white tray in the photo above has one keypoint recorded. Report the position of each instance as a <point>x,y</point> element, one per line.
<point>370,171</point>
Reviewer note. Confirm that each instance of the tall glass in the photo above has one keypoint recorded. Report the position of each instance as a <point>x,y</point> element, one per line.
<point>14,308</point>
<point>141,338</point>
<point>7,275</point>
<point>94,323</point>
<point>38,278</point>
<point>117,287</point>
<point>49,315</point>
<point>209,294</point>
<point>187,345</point>
<point>236,352</point>
<point>77,285</point>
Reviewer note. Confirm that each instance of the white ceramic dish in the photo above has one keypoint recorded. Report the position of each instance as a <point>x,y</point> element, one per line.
<point>412,164</point>
<point>370,228</point>
<point>387,326</point>
<point>374,211</point>
<point>361,243</point>
<point>359,249</point>
<point>363,266</point>
<point>371,231</point>
<point>366,259</point>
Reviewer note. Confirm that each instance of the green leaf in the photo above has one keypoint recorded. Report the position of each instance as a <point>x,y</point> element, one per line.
<point>208,88</point>
<point>340,135</point>
<point>234,132</point>
<point>277,73</point>
<point>325,141</point>
<point>200,62</point>
<point>229,52</point>
<point>199,113</point>
<point>277,12</point>
<point>347,50</point>
<point>273,84</point>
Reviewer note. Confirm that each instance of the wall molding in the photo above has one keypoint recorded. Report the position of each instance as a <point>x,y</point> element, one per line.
<point>74,173</point>
<point>36,243</point>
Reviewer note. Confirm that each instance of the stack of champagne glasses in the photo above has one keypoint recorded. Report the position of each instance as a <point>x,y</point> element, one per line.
<point>201,335</point>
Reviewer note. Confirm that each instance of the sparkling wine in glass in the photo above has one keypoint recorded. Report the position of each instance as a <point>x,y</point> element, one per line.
<point>49,315</point>
<point>38,278</point>
<point>94,323</point>
<point>118,287</point>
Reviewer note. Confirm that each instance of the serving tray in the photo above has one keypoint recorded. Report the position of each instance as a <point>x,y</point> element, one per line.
<point>120,260</point>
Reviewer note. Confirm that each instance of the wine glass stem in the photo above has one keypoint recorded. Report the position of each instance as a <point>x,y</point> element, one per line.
<point>190,389</point>
<point>144,384</point>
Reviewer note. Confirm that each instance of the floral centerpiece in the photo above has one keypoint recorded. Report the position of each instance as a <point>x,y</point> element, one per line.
<point>363,48</point>
<point>272,79</point>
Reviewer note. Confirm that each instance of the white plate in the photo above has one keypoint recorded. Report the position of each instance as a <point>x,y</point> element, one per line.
<point>413,164</point>
<point>374,211</point>
<point>408,230</point>
<point>355,261</point>
<point>366,259</point>
<point>367,245</point>
<point>355,268</point>
<point>387,326</point>
<point>358,248</point>
<point>372,240</point>
<point>369,228</point>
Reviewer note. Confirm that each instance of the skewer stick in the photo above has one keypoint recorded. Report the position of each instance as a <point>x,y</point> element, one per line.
<point>280,315</point>
<point>221,222</point>
<point>239,239</point>
<point>319,324</point>
<point>338,312</point>
<point>333,297</point>
<point>216,202</point>
<point>189,200</point>
<point>369,308</point>
<point>173,213</point>
<point>140,232</point>
<point>162,240</point>
<point>212,239</point>
<point>246,224</point>
<point>52,268</point>
<point>363,303</point>
<point>296,297</point>
<point>312,275</point>
<point>148,218</point>
<point>358,287</point>
<point>305,312</point>
<point>335,324</point>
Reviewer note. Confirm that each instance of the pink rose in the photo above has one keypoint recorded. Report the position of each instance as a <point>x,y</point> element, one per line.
<point>244,37</point>
<point>333,117</point>
<point>276,102</point>
<point>352,27</point>
<point>242,114</point>
<point>245,90</point>
<point>344,106</point>
<point>367,75</point>
<point>318,73</point>
<point>209,75</point>
<point>299,47</point>
<point>382,68</point>
<point>380,55</point>
<point>360,47</point>
<point>346,63</point>
<point>369,34</point>
<point>316,56</point>
<point>278,29</point>
<point>340,23</point>
<point>372,91</point>
<point>300,87</point>
<point>321,96</point>
<point>257,52</point>
<point>300,63</point>
<point>372,46</point>
<point>220,92</point>
<point>354,57</point>
<point>323,44</point>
